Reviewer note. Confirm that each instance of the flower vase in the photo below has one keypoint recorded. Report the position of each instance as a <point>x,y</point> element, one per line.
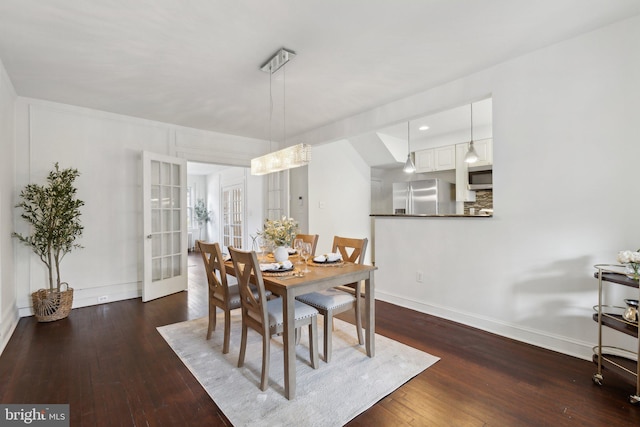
<point>633,270</point>
<point>281,254</point>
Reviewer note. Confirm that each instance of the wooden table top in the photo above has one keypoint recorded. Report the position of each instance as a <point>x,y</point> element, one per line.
<point>340,273</point>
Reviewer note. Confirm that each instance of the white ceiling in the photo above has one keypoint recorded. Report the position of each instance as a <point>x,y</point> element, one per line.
<point>456,120</point>
<point>196,62</point>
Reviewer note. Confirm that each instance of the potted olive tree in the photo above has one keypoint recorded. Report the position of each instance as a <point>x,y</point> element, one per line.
<point>202,216</point>
<point>53,212</point>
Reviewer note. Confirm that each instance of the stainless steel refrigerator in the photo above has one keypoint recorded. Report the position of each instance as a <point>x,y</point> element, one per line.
<point>424,197</point>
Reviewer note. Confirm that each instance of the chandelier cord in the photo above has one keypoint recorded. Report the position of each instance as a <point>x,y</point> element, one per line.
<point>471,122</point>
<point>284,105</point>
<point>270,110</point>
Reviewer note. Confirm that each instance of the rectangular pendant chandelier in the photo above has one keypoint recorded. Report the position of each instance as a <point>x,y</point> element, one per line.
<point>287,158</point>
<point>290,157</point>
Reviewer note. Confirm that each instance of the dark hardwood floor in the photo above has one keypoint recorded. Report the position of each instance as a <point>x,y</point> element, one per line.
<point>113,368</point>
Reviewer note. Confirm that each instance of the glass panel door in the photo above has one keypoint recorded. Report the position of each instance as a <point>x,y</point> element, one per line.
<point>232,216</point>
<point>164,225</point>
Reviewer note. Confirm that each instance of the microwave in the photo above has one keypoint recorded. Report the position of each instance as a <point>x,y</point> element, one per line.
<point>481,177</point>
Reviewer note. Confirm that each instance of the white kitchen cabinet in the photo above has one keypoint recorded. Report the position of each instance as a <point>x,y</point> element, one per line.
<point>425,161</point>
<point>445,158</point>
<point>463,194</point>
<point>484,148</point>
<point>436,159</point>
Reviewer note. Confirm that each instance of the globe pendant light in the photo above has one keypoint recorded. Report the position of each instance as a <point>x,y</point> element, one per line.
<point>472,155</point>
<point>409,167</point>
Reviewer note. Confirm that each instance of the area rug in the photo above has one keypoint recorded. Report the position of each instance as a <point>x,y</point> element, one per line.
<point>331,395</point>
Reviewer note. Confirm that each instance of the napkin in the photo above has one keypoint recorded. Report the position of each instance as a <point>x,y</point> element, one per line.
<point>285,265</point>
<point>330,257</point>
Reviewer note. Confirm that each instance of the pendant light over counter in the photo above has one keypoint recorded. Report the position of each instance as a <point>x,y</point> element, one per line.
<point>289,157</point>
<point>472,155</point>
<point>409,167</point>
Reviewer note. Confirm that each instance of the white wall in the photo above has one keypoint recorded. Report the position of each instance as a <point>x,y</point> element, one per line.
<point>255,205</point>
<point>299,197</point>
<point>8,310</point>
<point>106,149</point>
<point>215,206</point>
<point>567,145</point>
<point>339,194</point>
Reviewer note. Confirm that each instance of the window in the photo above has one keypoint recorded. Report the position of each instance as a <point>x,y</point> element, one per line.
<point>277,195</point>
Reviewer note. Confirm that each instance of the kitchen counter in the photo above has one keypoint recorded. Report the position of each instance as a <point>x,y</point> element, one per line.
<point>429,216</point>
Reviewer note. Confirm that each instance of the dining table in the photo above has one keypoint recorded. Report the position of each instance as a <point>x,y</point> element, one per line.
<point>318,278</point>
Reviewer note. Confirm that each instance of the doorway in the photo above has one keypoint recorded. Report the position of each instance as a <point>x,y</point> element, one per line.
<point>234,200</point>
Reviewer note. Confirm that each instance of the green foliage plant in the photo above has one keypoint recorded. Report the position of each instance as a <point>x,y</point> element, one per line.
<point>201,213</point>
<point>53,211</point>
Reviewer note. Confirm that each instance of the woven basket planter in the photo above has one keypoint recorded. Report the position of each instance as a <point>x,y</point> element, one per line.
<point>52,305</point>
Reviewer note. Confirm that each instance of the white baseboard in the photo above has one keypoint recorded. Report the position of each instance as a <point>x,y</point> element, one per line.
<point>94,296</point>
<point>8,324</point>
<point>571,347</point>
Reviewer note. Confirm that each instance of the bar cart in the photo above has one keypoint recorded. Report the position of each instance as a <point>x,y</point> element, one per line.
<point>619,360</point>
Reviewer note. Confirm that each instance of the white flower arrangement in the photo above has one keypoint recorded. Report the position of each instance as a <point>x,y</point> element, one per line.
<point>280,232</point>
<point>632,260</point>
<point>626,257</point>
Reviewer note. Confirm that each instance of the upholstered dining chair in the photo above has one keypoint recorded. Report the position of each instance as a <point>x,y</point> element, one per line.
<point>266,316</point>
<point>312,239</point>
<point>223,290</point>
<point>338,300</point>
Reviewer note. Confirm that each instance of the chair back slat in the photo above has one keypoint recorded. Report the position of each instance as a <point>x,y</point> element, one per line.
<point>351,250</point>
<point>248,272</point>
<point>214,267</point>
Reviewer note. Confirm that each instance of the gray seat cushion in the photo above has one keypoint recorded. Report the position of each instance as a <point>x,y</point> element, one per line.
<point>274,308</point>
<point>234,296</point>
<point>329,299</point>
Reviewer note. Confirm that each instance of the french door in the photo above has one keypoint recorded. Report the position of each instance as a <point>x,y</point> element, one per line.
<point>232,216</point>
<point>165,225</point>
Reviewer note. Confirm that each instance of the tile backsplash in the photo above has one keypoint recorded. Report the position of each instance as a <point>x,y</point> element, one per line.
<point>484,200</point>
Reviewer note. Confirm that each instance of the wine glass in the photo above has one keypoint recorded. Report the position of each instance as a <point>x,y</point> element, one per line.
<point>264,247</point>
<point>297,243</point>
<point>305,251</point>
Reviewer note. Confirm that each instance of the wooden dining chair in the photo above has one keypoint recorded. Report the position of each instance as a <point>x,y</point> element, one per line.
<point>334,301</point>
<point>266,316</point>
<point>223,290</point>
<point>311,239</point>
<point>220,293</point>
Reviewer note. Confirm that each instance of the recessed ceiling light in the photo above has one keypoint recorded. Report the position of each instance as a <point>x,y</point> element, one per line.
<point>425,127</point>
